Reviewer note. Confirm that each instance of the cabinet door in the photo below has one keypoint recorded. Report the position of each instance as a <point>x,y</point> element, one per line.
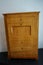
<point>23,39</point>
<point>20,37</point>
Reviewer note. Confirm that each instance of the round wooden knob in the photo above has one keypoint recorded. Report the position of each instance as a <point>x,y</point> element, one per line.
<point>20,19</point>
<point>22,48</point>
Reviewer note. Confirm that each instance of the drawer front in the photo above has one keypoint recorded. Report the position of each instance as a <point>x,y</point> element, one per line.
<point>24,54</point>
<point>21,45</point>
<point>20,20</point>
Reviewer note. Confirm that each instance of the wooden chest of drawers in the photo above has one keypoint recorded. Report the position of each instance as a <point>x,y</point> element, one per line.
<point>22,34</point>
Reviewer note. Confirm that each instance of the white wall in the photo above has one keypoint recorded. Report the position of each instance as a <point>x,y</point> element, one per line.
<point>7,6</point>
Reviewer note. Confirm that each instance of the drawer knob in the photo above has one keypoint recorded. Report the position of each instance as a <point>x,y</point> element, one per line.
<point>21,24</point>
<point>20,19</point>
<point>22,48</point>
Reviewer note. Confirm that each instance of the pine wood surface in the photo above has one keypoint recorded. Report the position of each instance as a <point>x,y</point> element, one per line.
<point>22,34</point>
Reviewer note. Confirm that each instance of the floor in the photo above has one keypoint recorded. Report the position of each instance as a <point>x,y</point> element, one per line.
<point>5,61</point>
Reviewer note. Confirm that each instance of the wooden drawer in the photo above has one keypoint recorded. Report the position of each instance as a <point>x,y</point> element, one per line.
<point>23,54</point>
<point>18,45</point>
<point>19,20</point>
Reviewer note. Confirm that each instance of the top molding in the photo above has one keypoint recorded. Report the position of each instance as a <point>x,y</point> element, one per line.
<point>20,13</point>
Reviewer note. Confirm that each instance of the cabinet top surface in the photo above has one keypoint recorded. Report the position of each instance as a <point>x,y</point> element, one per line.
<point>20,13</point>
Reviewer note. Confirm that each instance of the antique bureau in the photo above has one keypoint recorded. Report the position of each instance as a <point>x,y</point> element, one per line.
<point>22,34</point>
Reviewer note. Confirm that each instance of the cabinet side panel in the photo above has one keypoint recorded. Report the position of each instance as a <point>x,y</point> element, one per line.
<point>7,38</point>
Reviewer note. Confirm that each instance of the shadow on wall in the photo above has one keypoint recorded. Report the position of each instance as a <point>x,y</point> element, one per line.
<point>3,46</point>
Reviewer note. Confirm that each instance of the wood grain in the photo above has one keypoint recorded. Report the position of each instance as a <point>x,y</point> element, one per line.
<point>22,34</point>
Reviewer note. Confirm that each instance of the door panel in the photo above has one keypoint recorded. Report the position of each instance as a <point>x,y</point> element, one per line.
<point>20,38</point>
